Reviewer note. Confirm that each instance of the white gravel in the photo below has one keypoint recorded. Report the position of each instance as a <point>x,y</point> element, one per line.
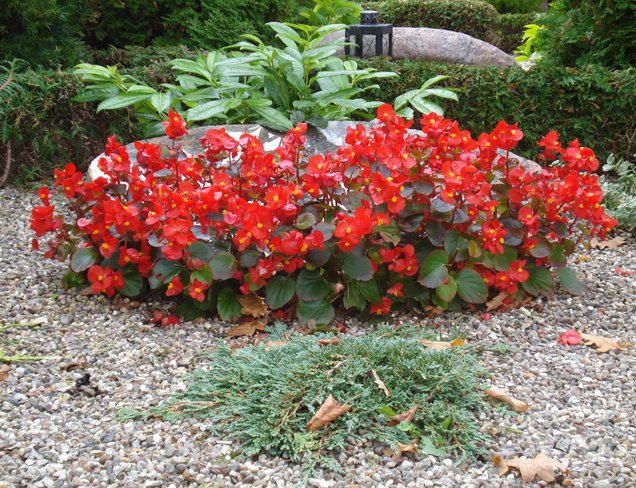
<point>54,435</point>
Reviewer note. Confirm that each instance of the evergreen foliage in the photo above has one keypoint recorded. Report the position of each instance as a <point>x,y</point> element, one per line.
<point>263,396</point>
<point>517,6</point>
<point>581,32</point>
<point>476,18</point>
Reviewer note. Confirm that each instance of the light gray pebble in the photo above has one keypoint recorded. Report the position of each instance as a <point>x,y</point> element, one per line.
<point>581,401</point>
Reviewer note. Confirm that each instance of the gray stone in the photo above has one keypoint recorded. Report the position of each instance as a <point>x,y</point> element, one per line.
<point>444,46</point>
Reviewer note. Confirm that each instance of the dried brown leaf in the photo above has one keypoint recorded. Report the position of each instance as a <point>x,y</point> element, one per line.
<point>270,344</point>
<point>583,258</point>
<point>253,305</point>
<point>610,244</point>
<point>380,383</point>
<point>498,394</point>
<point>4,371</point>
<point>541,466</point>
<point>442,345</point>
<point>332,341</point>
<point>247,328</point>
<point>497,460</point>
<point>496,302</point>
<point>328,412</point>
<point>602,344</point>
<point>404,449</point>
<point>404,416</point>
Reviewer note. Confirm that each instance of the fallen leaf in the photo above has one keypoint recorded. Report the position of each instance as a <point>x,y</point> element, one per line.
<point>602,344</point>
<point>247,328</point>
<point>541,466</point>
<point>569,338</point>
<point>611,244</point>
<point>583,258</point>
<point>328,411</point>
<point>332,341</point>
<point>406,447</point>
<point>380,383</point>
<point>4,371</point>
<point>498,394</point>
<point>442,345</point>
<point>404,416</point>
<point>253,305</point>
<point>403,449</point>
<point>270,344</point>
<point>496,302</point>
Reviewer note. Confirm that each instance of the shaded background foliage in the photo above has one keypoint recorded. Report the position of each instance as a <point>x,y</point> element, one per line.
<point>580,32</point>
<point>62,32</point>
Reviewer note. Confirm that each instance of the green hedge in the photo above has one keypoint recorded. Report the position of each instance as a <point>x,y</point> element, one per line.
<point>587,32</point>
<point>476,18</point>
<point>594,104</point>
<point>46,128</point>
<point>54,33</point>
<point>517,6</point>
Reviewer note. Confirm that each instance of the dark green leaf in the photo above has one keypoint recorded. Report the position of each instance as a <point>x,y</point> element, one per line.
<point>228,305</point>
<point>305,221</point>
<point>540,281</point>
<point>502,261</point>
<point>133,283</point>
<point>72,280</point>
<point>357,267</point>
<point>321,312</point>
<point>200,250</point>
<point>223,266</point>
<point>541,250</point>
<point>570,282</point>
<point>310,286</point>
<point>471,287</point>
<point>433,271</point>
<point>447,290</point>
<point>204,275</point>
<point>83,258</point>
<point>436,233</point>
<point>279,290</point>
<point>557,256</point>
<point>164,270</point>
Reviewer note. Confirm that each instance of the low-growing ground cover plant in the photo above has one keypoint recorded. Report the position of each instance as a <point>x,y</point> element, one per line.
<point>394,217</point>
<point>304,396</point>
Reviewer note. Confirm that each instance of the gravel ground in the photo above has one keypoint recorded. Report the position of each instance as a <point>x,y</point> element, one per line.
<point>51,434</point>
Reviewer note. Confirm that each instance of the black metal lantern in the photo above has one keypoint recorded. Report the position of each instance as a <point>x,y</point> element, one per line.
<point>371,38</point>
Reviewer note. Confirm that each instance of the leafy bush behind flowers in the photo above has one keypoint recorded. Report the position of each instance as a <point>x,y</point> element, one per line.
<point>393,217</point>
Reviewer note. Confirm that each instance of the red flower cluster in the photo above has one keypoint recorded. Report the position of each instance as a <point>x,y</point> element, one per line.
<point>388,197</point>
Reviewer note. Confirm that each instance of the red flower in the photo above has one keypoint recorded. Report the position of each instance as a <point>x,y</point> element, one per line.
<point>383,307</point>
<point>493,236</point>
<point>517,272</point>
<point>196,290</point>
<point>569,338</point>
<point>104,280</point>
<point>351,229</point>
<point>43,220</point>
<point>163,318</point>
<point>175,287</point>
<point>175,125</point>
<point>396,290</point>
